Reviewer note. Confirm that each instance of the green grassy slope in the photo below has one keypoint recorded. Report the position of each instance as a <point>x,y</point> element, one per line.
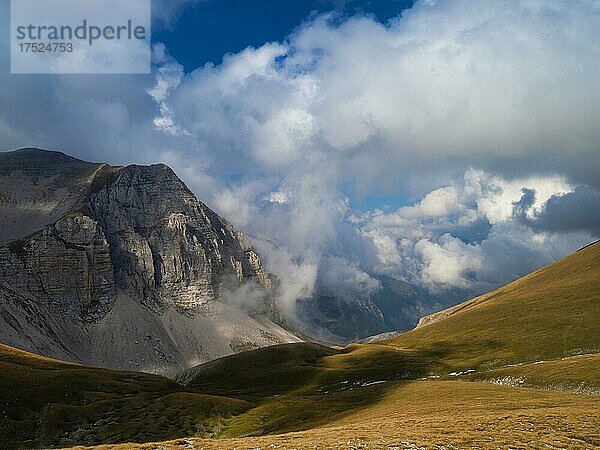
<point>552,313</point>
<point>49,403</point>
<point>548,315</point>
<point>578,374</point>
<point>260,373</point>
<point>437,415</point>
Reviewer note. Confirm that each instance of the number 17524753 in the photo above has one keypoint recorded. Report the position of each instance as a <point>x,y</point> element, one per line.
<point>41,47</point>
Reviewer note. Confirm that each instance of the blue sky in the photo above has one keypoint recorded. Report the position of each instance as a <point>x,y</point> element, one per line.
<point>208,30</point>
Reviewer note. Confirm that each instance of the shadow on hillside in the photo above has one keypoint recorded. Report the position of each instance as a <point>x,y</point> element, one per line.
<point>307,385</point>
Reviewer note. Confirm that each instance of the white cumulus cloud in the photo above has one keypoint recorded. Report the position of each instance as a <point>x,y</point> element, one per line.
<point>453,108</point>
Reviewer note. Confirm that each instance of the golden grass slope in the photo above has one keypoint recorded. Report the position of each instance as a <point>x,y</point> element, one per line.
<point>436,415</point>
<point>46,403</point>
<point>549,314</point>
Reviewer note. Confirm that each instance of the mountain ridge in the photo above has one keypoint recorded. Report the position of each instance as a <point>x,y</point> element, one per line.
<point>80,239</point>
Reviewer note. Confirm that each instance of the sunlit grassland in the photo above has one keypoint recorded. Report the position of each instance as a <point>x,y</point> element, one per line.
<point>551,314</point>
<point>435,414</point>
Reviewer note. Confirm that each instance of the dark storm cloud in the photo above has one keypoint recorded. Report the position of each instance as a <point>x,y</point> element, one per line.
<point>576,211</point>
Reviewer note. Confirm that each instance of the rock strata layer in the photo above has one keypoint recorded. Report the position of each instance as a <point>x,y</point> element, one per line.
<point>78,238</point>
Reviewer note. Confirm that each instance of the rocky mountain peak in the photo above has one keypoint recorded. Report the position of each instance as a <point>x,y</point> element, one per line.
<point>123,267</point>
<point>138,229</point>
<point>168,248</point>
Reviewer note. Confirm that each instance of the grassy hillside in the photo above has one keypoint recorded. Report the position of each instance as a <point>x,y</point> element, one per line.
<point>260,373</point>
<point>579,374</point>
<point>50,403</point>
<point>439,414</point>
<point>548,315</point>
<point>552,313</point>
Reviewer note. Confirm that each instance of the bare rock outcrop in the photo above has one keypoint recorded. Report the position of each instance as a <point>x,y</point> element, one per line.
<point>66,265</point>
<point>38,187</point>
<point>96,258</point>
<point>167,247</point>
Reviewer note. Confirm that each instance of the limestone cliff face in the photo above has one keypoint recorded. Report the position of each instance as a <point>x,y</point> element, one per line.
<point>66,265</point>
<point>167,247</point>
<point>123,267</point>
<point>137,229</point>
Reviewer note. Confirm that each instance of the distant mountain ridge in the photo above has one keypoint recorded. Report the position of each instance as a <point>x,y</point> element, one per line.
<point>395,307</point>
<point>81,241</point>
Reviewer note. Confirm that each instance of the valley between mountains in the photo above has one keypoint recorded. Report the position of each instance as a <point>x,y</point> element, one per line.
<point>517,368</point>
<point>116,332</point>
